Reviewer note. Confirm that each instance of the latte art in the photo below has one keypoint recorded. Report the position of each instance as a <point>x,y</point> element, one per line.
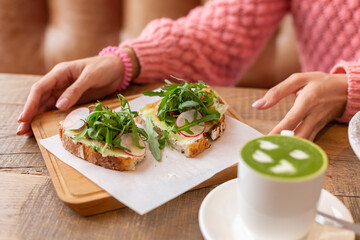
<point>284,156</point>
<point>261,157</point>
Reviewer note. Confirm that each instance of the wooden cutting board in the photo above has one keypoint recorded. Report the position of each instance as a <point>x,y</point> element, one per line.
<point>74,189</point>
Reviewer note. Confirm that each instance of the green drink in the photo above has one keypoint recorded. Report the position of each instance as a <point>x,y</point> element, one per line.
<point>284,157</point>
<point>280,180</point>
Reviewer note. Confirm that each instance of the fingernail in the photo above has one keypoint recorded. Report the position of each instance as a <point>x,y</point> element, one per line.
<point>63,103</point>
<point>287,133</point>
<point>20,128</point>
<point>259,103</point>
<point>20,116</point>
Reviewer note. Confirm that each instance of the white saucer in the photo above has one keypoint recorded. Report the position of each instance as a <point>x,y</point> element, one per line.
<point>353,133</point>
<point>218,216</point>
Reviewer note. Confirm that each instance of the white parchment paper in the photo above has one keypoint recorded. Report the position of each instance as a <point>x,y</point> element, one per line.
<point>154,183</point>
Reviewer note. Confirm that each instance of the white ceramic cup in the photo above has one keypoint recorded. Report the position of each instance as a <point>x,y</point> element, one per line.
<point>278,209</point>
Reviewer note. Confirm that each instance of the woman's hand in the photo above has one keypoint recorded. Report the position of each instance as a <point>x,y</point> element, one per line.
<point>69,83</point>
<point>320,98</point>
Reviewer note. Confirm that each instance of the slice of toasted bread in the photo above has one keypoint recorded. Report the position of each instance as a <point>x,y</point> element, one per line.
<point>193,147</point>
<point>189,146</point>
<point>113,160</point>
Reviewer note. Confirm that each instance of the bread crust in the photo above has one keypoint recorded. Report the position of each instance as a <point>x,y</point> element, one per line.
<point>86,152</point>
<point>203,143</point>
<point>217,129</point>
<point>197,147</point>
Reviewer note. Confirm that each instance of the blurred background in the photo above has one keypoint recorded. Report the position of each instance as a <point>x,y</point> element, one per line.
<point>35,35</point>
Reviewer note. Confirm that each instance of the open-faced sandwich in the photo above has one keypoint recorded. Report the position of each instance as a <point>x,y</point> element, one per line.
<point>186,117</point>
<point>104,137</point>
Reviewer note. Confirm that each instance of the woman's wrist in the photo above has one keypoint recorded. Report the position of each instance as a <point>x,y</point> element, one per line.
<point>134,61</point>
<point>352,71</point>
<point>130,63</point>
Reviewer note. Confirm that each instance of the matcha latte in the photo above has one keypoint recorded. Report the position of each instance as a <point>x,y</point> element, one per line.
<point>284,157</point>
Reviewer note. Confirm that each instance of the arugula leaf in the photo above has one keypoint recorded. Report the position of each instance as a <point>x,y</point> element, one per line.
<point>188,104</point>
<point>107,126</point>
<point>177,98</point>
<point>81,134</point>
<point>180,97</point>
<point>152,139</point>
<point>151,93</point>
<point>94,146</point>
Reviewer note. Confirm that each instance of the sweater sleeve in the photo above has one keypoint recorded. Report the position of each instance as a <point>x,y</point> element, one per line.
<point>352,70</point>
<point>214,43</point>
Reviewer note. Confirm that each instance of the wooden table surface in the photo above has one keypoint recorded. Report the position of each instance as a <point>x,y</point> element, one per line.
<point>30,208</point>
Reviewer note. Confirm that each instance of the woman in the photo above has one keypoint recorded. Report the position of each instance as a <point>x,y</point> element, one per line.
<point>216,43</point>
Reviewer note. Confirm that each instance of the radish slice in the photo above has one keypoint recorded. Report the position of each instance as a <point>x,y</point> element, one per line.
<point>189,115</point>
<point>74,120</point>
<point>156,109</point>
<point>127,141</point>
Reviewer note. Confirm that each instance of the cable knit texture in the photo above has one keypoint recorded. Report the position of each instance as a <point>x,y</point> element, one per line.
<point>352,70</point>
<point>217,42</point>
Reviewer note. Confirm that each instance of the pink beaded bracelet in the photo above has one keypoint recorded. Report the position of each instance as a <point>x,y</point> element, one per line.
<point>126,61</point>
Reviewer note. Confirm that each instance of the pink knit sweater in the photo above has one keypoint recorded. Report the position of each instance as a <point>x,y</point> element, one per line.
<point>217,42</point>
